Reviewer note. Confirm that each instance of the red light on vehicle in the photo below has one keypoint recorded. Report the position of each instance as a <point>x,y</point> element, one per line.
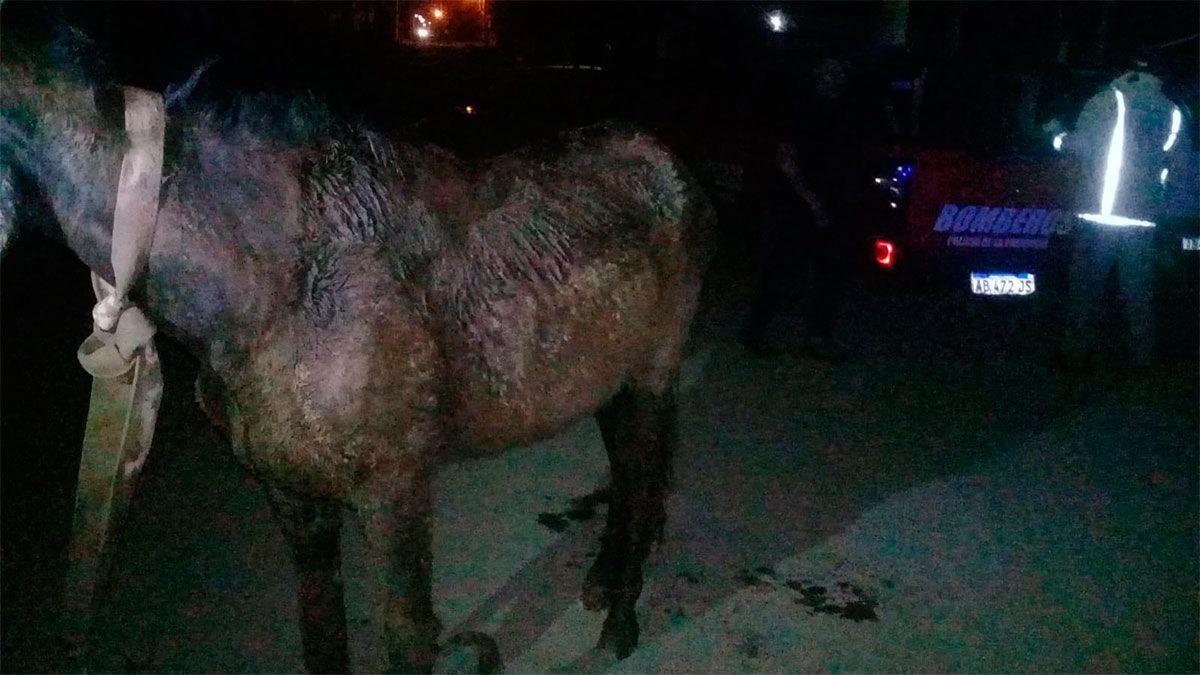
<point>885,253</point>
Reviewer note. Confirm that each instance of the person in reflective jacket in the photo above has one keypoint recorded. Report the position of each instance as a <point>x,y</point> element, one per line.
<point>1132,140</point>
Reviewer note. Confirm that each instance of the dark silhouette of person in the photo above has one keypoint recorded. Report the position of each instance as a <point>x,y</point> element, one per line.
<point>805,178</point>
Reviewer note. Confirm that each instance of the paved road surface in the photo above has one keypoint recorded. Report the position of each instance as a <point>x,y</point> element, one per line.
<point>941,502</point>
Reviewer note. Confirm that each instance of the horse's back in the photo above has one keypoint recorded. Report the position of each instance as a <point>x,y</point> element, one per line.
<point>582,278</point>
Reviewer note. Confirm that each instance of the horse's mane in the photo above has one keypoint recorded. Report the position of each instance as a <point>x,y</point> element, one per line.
<point>294,118</point>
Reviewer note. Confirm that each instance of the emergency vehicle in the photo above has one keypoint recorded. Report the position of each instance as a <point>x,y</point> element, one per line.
<point>977,196</point>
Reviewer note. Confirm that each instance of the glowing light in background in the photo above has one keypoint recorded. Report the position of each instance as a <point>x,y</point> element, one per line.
<point>470,110</point>
<point>438,13</point>
<point>1058,140</point>
<point>1162,177</point>
<point>778,21</point>
<point>422,28</point>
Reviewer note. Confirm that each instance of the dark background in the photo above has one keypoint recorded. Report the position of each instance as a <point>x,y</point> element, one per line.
<point>713,65</point>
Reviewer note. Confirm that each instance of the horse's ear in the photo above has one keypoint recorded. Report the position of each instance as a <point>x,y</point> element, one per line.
<point>176,94</point>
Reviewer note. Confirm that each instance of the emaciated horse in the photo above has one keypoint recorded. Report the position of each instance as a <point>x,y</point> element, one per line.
<point>365,309</point>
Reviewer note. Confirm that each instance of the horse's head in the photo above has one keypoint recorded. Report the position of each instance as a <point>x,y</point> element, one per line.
<point>61,135</point>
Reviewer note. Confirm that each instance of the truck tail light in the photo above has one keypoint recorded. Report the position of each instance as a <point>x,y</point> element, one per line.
<point>885,253</point>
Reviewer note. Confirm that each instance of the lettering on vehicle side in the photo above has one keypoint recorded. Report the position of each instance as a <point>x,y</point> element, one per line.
<point>1000,226</point>
<point>967,241</point>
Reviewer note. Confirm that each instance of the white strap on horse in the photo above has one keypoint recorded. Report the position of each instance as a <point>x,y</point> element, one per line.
<point>120,356</point>
<point>121,329</point>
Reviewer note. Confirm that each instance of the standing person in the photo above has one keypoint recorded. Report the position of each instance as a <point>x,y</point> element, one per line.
<point>805,184</point>
<point>1135,147</point>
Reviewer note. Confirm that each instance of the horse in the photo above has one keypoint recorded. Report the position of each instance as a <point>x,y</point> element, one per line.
<point>366,308</point>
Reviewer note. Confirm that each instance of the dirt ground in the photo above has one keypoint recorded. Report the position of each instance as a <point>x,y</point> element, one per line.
<point>940,502</point>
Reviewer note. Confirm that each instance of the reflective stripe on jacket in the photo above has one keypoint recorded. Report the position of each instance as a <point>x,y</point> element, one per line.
<point>1131,139</point>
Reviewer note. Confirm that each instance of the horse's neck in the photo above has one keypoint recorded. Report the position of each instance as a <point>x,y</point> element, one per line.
<point>198,287</point>
<point>80,181</point>
<point>78,176</point>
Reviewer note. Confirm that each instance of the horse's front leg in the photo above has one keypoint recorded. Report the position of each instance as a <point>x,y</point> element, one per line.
<point>312,528</point>
<point>397,531</point>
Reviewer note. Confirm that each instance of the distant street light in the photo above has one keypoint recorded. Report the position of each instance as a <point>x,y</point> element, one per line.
<point>438,13</point>
<point>778,21</point>
<point>421,30</point>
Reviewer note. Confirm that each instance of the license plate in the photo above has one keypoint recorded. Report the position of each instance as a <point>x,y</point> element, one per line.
<point>983,283</point>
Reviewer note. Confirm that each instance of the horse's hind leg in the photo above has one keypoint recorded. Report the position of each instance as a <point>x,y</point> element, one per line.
<point>312,529</point>
<point>638,428</point>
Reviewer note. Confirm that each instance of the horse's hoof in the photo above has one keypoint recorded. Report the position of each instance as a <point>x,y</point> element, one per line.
<point>471,652</point>
<point>620,633</point>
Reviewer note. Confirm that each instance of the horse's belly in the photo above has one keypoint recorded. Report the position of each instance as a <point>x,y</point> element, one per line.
<point>548,365</point>
<point>547,404</point>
